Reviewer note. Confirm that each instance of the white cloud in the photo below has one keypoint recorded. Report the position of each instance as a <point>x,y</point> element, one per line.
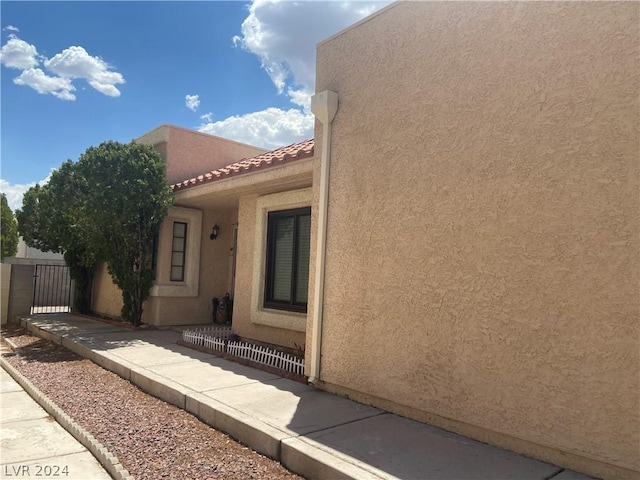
<point>207,117</point>
<point>192,102</point>
<point>42,83</point>
<point>18,54</point>
<point>301,97</point>
<point>284,35</point>
<point>270,128</point>
<point>75,62</point>
<point>72,63</point>
<point>15,191</point>
<point>11,28</point>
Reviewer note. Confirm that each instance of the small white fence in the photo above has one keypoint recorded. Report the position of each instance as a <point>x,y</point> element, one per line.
<point>217,338</point>
<point>267,356</point>
<point>214,338</point>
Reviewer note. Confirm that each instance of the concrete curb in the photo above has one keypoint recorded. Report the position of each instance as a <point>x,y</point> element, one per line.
<point>300,457</point>
<point>152,383</point>
<point>107,460</point>
<point>299,454</point>
<point>13,346</point>
<point>303,458</point>
<point>251,432</point>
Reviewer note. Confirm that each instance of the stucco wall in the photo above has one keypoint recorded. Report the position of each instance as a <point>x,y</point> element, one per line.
<point>106,297</point>
<point>284,185</point>
<point>21,292</point>
<point>180,303</point>
<point>216,203</point>
<point>249,263</point>
<point>483,237</point>
<point>25,251</point>
<point>213,273</point>
<point>5,278</point>
<point>189,153</point>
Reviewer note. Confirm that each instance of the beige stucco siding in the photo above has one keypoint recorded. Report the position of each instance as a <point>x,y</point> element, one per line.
<point>483,238</point>
<point>182,303</point>
<point>106,297</point>
<point>249,195</point>
<point>5,283</point>
<point>247,304</point>
<point>188,302</point>
<point>189,153</point>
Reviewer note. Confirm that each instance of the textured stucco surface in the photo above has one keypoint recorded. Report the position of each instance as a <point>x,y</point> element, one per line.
<point>189,286</point>
<point>5,279</point>
<point>296,321</point>
<point>249,264</point>
<point>218,203</point>
<point>106,297</point>
<point>22,285</point>
<point>240,194</point>
<point>483,237</point>
<point>169,307</point>
<point>213,277</point>
<point>189,153</point>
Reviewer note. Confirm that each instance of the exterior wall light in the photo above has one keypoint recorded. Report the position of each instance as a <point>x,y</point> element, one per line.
<point>214,232</point>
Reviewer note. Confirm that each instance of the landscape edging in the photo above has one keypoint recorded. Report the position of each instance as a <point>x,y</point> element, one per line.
<point>99,451</point>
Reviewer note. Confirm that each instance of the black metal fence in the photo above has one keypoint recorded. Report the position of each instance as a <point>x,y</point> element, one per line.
<point>51,289</point>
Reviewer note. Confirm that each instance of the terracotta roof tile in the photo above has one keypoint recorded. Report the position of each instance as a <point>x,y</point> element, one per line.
<point>295,151</point>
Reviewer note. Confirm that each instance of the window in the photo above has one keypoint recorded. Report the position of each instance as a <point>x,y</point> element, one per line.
<point>261,313</point>
<point>287,274</point>
<point>179,242</point>
<point>154,256</point>
<point>178,250</point>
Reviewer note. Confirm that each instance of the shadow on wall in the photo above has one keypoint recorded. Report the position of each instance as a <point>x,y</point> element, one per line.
<point>285,411</point>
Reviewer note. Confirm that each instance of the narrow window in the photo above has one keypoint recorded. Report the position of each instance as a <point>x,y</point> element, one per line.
<point>287,275</point>
<point>154,256</point>
<point>178,251</point>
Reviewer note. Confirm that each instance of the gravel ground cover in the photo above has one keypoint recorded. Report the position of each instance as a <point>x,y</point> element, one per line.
<point>151,438</point>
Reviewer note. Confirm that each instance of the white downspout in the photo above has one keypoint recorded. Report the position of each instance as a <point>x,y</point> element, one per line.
<point>324,106</point>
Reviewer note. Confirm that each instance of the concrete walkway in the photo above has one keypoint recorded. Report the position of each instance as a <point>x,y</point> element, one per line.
<point>314,433</point>
<point>33,445</point>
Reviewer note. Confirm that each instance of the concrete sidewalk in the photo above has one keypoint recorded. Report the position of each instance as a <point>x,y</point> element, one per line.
<point>33,445</point>
<point>311,432</point>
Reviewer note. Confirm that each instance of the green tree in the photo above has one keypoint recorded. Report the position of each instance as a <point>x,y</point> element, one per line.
<point>106,207</point>
<point>8,230</point>
<point>125,198</point>
<point>52,220</point>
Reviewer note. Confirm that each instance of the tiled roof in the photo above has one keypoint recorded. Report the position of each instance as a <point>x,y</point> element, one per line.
<point>295,151</point>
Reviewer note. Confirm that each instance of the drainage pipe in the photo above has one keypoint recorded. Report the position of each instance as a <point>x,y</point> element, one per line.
<point>324,106</point>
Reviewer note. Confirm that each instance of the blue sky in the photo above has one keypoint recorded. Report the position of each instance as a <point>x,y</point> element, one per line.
<point>75,74</point>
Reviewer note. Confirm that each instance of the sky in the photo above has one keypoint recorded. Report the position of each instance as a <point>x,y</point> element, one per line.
<point>77,73</point>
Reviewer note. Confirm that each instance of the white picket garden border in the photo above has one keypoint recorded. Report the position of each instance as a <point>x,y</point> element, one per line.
<point>217,338</point>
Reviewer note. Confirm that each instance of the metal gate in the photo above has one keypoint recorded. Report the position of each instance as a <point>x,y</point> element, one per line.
<point>51,289</point>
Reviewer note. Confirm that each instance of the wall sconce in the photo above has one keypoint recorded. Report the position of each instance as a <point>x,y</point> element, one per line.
<point>214,232</point>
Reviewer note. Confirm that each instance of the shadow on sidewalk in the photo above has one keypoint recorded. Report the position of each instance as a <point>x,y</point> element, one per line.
<point>374,441</point>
